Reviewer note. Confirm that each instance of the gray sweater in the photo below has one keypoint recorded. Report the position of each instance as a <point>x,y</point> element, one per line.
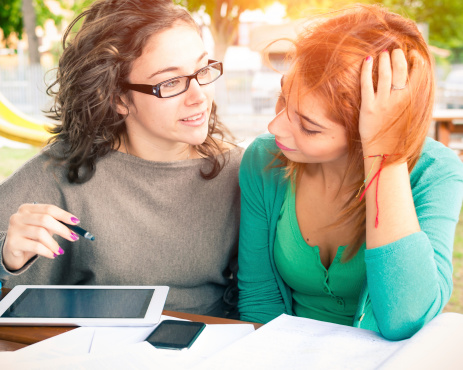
<point>155,223</point>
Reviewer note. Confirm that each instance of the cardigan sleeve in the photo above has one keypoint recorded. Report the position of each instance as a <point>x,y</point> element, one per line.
<point>410,280</point>
<point>260,298</point>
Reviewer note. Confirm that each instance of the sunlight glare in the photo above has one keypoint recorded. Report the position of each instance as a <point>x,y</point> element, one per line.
<point>272,14</point>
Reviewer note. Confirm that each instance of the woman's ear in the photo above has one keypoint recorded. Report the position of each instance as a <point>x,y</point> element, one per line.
<point>121,106</point>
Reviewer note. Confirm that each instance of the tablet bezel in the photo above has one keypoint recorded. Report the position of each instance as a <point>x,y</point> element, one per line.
<point>152,315</point>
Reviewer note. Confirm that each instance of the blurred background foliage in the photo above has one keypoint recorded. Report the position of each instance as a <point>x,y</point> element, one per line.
<point>443,17</point>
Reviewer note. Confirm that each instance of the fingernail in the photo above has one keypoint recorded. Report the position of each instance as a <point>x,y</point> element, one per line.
<point>368,58</point>
<point>75,220</point>
<point>74,236</point>
<point>55,255</point>
<point>385,51</point>
<point>60,250</point>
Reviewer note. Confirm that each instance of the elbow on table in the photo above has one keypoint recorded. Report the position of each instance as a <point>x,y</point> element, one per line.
<point>401,321</point>
<point>259,316</point>
<point>406,325</point>
<point>260,313</point>
<point>400,331</point>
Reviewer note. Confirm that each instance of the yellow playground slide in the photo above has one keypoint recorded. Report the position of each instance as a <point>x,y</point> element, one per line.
<point>17,126</point>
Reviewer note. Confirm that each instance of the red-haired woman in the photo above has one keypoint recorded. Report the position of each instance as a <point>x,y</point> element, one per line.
<point>348,209</point>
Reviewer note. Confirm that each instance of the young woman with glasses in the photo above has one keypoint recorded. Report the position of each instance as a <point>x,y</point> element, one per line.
<point>348,209</point>
<point>138,156</point>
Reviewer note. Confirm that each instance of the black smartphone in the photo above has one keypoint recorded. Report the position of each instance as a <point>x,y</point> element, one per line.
<point>175,334</point>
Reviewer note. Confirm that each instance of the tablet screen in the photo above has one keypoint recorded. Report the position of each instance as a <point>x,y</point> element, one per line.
<point>81,303</point>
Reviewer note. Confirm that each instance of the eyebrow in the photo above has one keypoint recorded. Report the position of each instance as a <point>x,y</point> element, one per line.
<point>310,120</point>
<point>170,69</point>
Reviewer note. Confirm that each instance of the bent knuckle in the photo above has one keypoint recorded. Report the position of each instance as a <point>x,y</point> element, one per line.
<point>23,208</point>
<point>42,234</point>
<point>10,242</point>
<point>46,220</point>
<point>49,209</point>
<point>15,219</point>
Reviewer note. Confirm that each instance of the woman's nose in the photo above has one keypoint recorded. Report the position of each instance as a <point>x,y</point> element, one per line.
<point>278,126</point>
<point>195,93</point>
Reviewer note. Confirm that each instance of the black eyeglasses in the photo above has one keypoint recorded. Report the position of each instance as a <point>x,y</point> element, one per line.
<point>178,85</point>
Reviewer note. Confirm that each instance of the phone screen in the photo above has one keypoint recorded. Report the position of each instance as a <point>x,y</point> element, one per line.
<point>174,334</point>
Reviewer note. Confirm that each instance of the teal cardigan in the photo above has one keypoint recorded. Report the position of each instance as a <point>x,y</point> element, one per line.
<point>408,282</point>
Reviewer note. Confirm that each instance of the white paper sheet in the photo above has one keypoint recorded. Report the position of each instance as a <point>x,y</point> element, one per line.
<point>74,342</point>
<point>290,342</point>
<point>119,348</point>
<point>135,356</point>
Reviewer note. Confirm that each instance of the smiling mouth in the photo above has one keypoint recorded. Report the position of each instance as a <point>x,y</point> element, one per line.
<point>282,147</point>
<point>194,121</point>
<point>193,118</point>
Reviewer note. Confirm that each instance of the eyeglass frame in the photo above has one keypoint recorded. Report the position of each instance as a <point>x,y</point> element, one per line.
<point>156,89</point>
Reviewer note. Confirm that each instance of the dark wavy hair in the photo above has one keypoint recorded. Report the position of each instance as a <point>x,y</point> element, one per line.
<point>91,70</point>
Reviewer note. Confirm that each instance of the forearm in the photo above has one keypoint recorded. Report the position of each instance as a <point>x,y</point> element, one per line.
<point>410,277</point>
<point>390,210</point>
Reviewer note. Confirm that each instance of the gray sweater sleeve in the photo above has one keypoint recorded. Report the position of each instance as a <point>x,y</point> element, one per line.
<point>33,182</point>
<point>4,272</point>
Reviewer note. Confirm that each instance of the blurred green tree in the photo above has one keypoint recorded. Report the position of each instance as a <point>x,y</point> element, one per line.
<point>444,18</point>
<point>17,15</point>
<point>11,18</point>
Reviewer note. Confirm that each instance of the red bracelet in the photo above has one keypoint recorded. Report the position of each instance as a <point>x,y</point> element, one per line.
<point>376,176</point>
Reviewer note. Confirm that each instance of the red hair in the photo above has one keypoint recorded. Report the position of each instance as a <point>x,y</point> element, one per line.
<point>327,59</point>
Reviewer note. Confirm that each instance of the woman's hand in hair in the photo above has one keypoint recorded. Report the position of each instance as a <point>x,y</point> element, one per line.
<point>383,121</point>
<point>30,233</point>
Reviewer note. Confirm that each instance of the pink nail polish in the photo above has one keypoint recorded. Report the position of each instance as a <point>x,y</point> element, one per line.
<point>55,255</point>
<point>75,220</point>
<point>74,236</point>
<point>368,58</point>
<point>60,250</point>
<point>385,51</point>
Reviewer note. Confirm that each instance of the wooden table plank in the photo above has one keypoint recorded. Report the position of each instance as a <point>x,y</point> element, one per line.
<point>31,334</point>
<point>6,345</point>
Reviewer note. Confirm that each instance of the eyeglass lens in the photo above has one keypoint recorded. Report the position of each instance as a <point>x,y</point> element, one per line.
<point>178,85</point>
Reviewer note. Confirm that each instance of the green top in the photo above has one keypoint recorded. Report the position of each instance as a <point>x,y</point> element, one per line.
<point>327,295</point>
<point>407,283</point>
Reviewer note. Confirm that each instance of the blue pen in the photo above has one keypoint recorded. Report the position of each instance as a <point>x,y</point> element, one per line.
<point>79,231</point>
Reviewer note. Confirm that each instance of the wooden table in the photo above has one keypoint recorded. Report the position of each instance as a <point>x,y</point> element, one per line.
<point>445,124</point>
<point>16,337</point>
